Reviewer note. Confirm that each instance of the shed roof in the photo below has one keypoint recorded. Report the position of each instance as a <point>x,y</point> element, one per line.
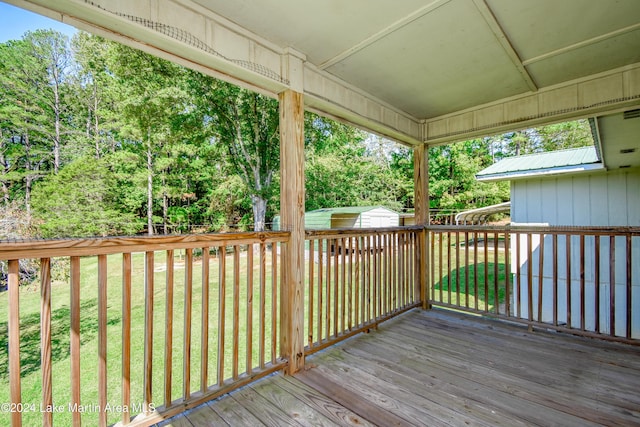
<point>549,163</point>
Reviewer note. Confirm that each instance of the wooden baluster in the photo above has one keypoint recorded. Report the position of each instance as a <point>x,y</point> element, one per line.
<point>188,301</point>
<point>629,257</point>
<point>507,272</point>
<point>102,339</point>
<point>486,271</point>
<point>330,249</point>
<point>612,285</point>
<point>496,264</point>
<point>222,298</point>
<point>45,340</point>
<point>168,328</point>
<point>441,265</point>
<point>568,254</point>
<point>530,278</point>
<point>148,331</point>
<point>449,282</point>
<point>596,278</point>
<point>263,301</point>
<point>350,285</point>
<point>555,279</point>
<point>236,311</point>
<point>249,337</point>
<point>358,291</point>
<point>475,269</point>
<point>466,269</point>
<point>540,276</point>
<point>582,284</point>
<point>343,280</point>
<point>274,301</point>
<point>126,337</point>
<point>457,275</point>
<point>519,276</point>
<point>14,345</point>
<point>336,296</point>
<point>432,240</point>
<point>321,286</point>
<point>75,338</point>
<point>204,323</point>
<point>310,308</point>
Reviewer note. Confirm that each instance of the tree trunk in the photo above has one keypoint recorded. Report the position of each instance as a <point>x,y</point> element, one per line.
<point>149,191</point>
<point>57,109</point>
<point>96,133</point>
<point>5,170</point>
<point>259,206</point>
<point>165,206</point>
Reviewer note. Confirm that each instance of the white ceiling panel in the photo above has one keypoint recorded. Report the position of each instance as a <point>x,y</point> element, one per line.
<point>445,61</point>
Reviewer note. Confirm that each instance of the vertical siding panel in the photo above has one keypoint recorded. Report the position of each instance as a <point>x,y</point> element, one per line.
<point>564,210</point>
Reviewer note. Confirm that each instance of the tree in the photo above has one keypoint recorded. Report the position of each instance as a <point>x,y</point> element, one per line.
<point>341,169</point>
<point>95,117</point>
<point>452,182</point>
<point>150,99</point>
<point>50,49</point>
<point>79,201</point>
<point>24,119</point>
<point>246,123</point>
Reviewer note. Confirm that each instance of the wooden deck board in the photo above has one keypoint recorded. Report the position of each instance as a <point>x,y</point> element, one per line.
<point>444,369</point>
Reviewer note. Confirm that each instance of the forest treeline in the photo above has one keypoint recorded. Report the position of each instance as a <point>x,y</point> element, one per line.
<point>100,139</point>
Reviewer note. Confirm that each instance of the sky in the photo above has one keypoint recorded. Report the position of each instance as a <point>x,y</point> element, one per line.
<point>14,22</point>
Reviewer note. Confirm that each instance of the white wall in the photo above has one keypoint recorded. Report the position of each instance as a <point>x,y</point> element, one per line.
<point>380,217</point>
<point>599,199</point>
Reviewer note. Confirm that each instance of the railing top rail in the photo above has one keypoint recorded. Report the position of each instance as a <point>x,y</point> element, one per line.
<point>548,229</point>
<point>348,232</point>
<point>111,245</point>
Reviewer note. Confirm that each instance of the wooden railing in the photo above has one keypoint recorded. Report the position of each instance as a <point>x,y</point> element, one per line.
<point>134,330</point>
<point>582,280</point>
<point>122,336</point>
<point>356,279</point>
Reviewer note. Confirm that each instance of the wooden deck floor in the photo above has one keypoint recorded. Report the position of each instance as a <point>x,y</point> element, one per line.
<point>441,368</point>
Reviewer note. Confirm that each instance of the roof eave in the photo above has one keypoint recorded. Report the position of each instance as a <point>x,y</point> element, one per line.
<point>562,170</point>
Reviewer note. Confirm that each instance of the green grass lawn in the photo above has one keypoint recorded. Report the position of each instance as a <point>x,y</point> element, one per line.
<point>463,284</point>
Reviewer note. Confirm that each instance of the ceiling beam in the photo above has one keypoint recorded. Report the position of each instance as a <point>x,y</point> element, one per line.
<point>383,33</point>
<point>583,43</point>
<point>502,38</point>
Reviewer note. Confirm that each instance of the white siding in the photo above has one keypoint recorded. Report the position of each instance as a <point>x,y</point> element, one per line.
<point>599,199</point>
<point>380,217</point>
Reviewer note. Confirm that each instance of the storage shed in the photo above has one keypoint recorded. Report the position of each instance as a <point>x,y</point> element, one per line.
<point>347,217</point>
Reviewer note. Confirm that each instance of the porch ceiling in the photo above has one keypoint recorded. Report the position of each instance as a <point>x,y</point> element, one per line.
<point>434,58</point>
<point>417,70</point>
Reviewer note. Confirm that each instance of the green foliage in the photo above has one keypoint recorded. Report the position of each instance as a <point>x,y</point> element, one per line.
<point>452,183</point>
<point>189,153</point>
<point>79,202</point>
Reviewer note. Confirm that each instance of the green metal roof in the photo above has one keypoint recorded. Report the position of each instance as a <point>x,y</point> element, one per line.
<point>553,162</point>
